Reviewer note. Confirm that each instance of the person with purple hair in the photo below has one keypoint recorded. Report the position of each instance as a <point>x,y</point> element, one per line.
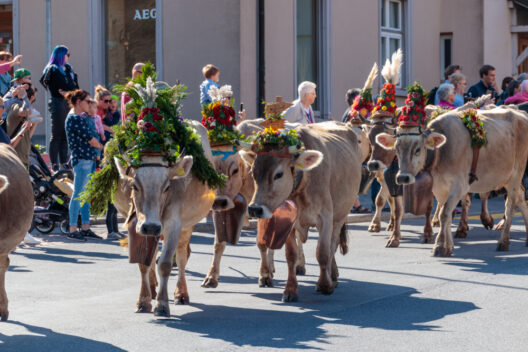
<point>58,78</point>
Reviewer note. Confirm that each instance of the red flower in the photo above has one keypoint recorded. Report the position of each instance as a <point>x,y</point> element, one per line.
<point>148,126</point>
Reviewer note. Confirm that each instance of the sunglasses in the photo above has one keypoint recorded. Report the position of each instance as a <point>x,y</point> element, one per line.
<point>68,54</point>
<point>108,101</point>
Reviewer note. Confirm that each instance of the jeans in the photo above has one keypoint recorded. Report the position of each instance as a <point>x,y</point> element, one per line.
<point>111,218</point>
<point>81,175</point>
<point>58,151</point>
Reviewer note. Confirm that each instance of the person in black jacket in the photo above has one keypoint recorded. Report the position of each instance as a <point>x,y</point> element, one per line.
<point>58,77</point>
<point>486,85</point>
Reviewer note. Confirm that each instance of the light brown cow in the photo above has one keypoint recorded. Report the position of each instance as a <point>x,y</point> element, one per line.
<point>16,212</point>
<point>501,163</point>
<point>331,166</point>
<point>166,200</point>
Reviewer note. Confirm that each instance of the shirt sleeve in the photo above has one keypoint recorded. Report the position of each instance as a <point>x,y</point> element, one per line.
<point>4,68</point>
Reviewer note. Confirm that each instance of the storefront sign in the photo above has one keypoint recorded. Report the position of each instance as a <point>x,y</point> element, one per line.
<point>145,14</point>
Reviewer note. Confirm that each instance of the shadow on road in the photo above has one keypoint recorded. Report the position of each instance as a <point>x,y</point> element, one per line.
<point>65,255</point>
<point>48,340</point>
<point>361,304</point>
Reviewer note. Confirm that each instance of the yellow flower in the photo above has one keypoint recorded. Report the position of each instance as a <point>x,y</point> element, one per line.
<point>383,108</point>
<point>392,104</point>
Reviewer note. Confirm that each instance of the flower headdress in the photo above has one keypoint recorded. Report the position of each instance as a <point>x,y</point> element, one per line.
<point>413,113</point>
<point>362,106</point>
<point>386,103</point>
<point>219,118</point>
<point>220,94</point>
<point>282,143</point>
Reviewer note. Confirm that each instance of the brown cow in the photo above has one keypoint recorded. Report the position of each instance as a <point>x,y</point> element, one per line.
<point>16,212</point>
<point>324,194</point>
<point>166,200</point>
<point>501,163</point>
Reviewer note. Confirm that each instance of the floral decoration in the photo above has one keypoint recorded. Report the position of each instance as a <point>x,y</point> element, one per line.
<point>270,139</point>
<point>219,118</point>
<point>386,101</point>
<point>413,113</point>
<point>475,127</point>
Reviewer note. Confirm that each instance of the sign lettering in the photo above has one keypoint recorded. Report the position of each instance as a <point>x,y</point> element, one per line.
<point>145,14</point>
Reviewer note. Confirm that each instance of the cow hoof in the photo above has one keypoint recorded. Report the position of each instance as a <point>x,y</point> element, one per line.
<point>209,283</point>
<point>487,222</point>
<point>162,311</point>
<point>436,223</point>
<point>300,270</point>
<point>325,289</point>
<point>441,252</point>
<point>265,282</point>
<point>460,234</point>
<point>393,243</point>
<point>4,316</point>
<point>503,247</point>
<point>374,228</point>
<point>144,308</point>
<point>427,239</point>
<point>290,297</point>
<point>181,299</point>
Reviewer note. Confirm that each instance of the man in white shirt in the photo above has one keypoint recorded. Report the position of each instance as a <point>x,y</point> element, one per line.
<point>301,111</point>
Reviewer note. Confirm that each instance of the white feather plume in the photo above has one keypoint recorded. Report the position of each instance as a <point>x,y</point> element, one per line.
<point>386,71</point>
<point>396,63</point>
<point>372,76</point>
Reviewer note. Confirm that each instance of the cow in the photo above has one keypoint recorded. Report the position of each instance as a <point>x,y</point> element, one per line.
<point>501,163</point>
<point>324,194</point>
<point>169,200</point>
<point>16,209</point>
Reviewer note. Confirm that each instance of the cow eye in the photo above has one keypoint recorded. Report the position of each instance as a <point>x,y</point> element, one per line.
<point>278,175</point>
<point>235,171</point>
<point>417,151</point>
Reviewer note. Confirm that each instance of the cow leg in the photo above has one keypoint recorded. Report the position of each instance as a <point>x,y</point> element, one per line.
<point>181,294</point>
<point>394,239</point>
<point>266,270</point>
<point>513,197</point>
<point>383,194</point>
<point>436,221</point>
<point>324,255</point>
<point>143,304</point>
<point>171,239</point>
<point>428,229</point>
<point>300,266</point>
<point>463,226</point>
<point>392,206</point>
<point>290,291</point>
<point>444,241</point>
<point>485,216</point>
<point>4,264</point>
<point>211,280</point>
<point>523,207</point>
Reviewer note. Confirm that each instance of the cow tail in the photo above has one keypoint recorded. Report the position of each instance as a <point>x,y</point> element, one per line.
<point>343,240</point>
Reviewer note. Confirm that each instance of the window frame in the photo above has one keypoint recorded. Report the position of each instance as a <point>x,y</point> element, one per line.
<point>400,33</point>
<point>443,65</point>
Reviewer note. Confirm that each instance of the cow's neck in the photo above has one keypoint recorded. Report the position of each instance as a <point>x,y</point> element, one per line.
<point>298,182</point>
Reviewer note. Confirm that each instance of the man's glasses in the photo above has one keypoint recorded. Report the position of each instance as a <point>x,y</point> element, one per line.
<point>108,101</point>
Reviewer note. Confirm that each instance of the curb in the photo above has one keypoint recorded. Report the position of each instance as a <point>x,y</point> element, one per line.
<point>205,226</point>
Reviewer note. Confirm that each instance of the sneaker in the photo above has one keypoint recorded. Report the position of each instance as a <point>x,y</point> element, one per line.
<point>76,236</point>
<point>28,239</point>
<point>121,235</point>
<point>113,236</point>
<point>90,233</point>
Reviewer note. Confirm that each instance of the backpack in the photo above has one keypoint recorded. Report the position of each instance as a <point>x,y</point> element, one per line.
<point>431,96</point>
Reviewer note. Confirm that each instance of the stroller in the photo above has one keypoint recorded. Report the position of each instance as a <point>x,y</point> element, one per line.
<point>52,195</point>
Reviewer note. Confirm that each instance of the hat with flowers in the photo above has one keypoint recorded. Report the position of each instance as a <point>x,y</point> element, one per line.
<point>386,103</point>
<point>413,113</point>
<point>362,105</point>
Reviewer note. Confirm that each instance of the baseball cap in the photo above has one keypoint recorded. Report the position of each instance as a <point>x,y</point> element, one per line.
<point>21,73</point>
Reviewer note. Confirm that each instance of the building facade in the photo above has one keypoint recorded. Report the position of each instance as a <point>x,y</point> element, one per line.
<point>264,48</point>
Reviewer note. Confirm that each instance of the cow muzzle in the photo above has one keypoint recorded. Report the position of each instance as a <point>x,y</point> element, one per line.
<point>259,211</point>
<point>405,179</point>
<point>222,203</point>
<point>150,229</point>
<point>373,166</point>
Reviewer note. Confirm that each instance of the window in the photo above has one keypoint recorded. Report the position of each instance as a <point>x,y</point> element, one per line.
<point>130,37</point>
<point>392,31</point>
<point>446,52</point>
<point>6,28</point>
<point>307,44</point>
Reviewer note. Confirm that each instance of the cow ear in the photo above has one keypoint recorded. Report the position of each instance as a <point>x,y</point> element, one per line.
<point>3,183</point>
<point>386,141</point>
<point>181,168</point>
<point>308,160</point>
<point>434,140</point>
<point>248,157</point>
<point>122,169</point>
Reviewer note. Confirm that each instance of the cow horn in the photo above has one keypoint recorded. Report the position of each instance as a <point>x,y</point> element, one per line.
<point>243,145</point>
<point>294,149</point>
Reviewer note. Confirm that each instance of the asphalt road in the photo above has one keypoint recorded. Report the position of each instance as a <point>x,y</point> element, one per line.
<point>70,296</point>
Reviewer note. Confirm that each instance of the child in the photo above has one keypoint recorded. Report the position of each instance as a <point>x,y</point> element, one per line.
<point>212,76</point>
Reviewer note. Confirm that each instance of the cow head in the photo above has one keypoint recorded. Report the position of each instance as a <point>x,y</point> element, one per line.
<point>380,158</point>
<point>275,178</point>
<point>153,187</point>
<point>238,175</point>
<point>3,183</point>
<point>410,145</point>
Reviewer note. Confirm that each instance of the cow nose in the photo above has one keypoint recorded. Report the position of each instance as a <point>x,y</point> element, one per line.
<point>220,204</point>
<point>403,179</point>
<point>373,166</point>
<point>255,211</point>
<point>150,229</point>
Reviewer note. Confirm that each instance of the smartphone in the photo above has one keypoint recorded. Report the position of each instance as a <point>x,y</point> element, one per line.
<point>241,107</point>
<point>22,130</point>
